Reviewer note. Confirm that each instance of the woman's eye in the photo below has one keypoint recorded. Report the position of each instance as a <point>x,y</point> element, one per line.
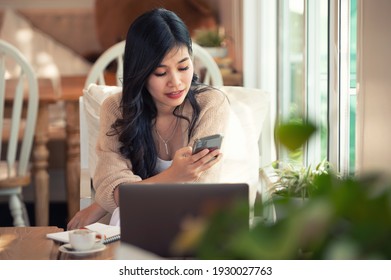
<point>160,74</point>
<point>184,68</point>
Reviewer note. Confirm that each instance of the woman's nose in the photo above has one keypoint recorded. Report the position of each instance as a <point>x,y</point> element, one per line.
<point>174,79</point>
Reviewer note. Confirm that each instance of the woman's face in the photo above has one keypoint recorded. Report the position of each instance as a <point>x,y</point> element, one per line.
<point>171,80</point>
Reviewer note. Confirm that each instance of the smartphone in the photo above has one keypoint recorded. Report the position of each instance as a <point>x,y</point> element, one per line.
<point>211,142</point>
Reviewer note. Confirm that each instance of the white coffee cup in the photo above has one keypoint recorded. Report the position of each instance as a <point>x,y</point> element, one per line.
<point>83,239</point>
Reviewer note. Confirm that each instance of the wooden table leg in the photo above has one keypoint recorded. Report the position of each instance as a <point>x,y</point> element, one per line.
<point>73,157</point>
<point>40,160</point>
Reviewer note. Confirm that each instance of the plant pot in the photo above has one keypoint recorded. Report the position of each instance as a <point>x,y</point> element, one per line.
<point>217,52</point>
<point>284,205</point>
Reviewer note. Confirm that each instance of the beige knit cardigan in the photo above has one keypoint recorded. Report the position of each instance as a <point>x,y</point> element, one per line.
<point>113,169</point>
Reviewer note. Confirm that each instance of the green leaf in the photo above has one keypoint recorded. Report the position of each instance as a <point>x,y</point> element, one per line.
<point>294,135</point>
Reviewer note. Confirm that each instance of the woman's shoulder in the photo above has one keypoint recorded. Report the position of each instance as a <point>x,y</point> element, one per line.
<point>111,106</point>
<point>113,101</point>
<point>114,98</point>
<point>212,97</point>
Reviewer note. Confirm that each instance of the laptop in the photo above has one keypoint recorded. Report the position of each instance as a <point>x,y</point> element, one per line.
<point>152,215</point>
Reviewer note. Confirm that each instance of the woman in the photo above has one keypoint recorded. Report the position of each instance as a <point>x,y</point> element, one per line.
<point>147,132</point>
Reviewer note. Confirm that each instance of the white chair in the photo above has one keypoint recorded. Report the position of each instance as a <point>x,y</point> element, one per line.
<point>249,109</point>
<point>112,54</point>
<point>96,75</point>
<point>209,71</point>
<point>202,59</point>
<point>17,129</point>
<point>89,110</point>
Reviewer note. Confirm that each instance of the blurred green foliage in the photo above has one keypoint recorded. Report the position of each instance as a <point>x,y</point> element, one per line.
<point>344,218</point>
<point>294,134</point>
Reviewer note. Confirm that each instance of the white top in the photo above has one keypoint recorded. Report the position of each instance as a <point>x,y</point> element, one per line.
<point>161,165</point>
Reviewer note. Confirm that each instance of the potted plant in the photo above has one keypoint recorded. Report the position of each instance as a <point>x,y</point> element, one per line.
<point>213,40</point>
<point>293,184</point>
<point>289,183</point>
<point>297,181</point>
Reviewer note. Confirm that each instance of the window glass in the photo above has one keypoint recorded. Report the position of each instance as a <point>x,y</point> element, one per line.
<point>353,97</point>
<point>323,78</point>
<point>303,71</point>
<point>304,63</point>
<point>291,65</point>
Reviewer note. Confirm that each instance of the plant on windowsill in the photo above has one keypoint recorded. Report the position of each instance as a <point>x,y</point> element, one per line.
<point>213,40</point>
<point>297,181</point>
<point>293,185</point>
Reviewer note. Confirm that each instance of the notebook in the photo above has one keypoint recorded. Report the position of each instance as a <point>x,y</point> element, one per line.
<point>152,215</point>
<point>110,233</point>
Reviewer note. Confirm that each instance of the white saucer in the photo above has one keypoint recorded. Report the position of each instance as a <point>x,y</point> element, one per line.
<point>67,248</point>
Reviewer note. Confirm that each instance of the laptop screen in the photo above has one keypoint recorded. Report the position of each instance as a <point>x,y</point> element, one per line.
<point>152,215</point>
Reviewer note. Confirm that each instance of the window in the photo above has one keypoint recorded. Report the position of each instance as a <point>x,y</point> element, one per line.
<point>343,19</point>
<point>315,70</point>
<point>303,71</point>
<point>353,82</point>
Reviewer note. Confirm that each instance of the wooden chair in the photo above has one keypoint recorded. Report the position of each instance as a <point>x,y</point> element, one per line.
<point>17,127</point>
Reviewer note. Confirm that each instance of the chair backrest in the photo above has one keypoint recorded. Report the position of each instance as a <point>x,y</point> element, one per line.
<point>89,111</point>
<point>96,75</point>
<point>209,71</point>
<point>249,109</point>
<point>17,125</point>
<point>112,54</point>
<point>85,177</point>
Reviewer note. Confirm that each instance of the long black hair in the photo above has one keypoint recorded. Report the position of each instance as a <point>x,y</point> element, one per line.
<point>150,37</point>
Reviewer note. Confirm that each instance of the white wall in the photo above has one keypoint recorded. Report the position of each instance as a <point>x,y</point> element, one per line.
<point>260,63</point>
<point>68,22</point>
<point>374,94</point>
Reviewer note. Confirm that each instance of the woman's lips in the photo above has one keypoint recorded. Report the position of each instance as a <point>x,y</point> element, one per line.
<point>175,94</point>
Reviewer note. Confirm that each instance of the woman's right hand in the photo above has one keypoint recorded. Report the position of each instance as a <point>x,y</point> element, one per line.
<point>187,167</point>
<point>87,216</point>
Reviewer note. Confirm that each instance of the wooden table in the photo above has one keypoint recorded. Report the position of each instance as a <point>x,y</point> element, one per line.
<point>27,243</point>
<point>70,90</point>
<point>31,243</point>
<point>233,79</point>
<point>40,153</point>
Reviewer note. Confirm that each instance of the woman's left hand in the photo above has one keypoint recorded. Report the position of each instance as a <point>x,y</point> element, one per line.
<point>187,167</point>
<point>87,216</point>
